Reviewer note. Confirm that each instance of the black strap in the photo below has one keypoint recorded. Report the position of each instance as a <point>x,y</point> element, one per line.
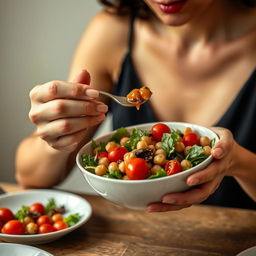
<point>131,31</point>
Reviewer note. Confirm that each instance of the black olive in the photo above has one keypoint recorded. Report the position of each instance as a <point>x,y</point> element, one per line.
<point>176,156</point>
<point>146,153</point>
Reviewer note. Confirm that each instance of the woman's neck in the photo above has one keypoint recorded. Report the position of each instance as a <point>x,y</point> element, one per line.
<point>221,22</point>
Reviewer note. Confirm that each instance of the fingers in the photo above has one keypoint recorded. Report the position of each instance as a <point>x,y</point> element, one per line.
<point>57,109</point>
<point>162,207</point>
<point>62,90</point>
<point>53,131</point>
<point>177,201</point>
<point>83,77</point>
<point>211,172</point>
<point>69,142</point>
<point>224,145</point>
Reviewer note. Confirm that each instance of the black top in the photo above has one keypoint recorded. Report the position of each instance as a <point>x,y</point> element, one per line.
<point>240,119</point>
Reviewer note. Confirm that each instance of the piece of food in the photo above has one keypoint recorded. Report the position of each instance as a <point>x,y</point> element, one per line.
<point>13,227</point>
<point>147,154</point>
<point>137,169</point>
<point>37,207</point>
<point>158,130</point>
<point>138,96</point>
<point>6,215</point>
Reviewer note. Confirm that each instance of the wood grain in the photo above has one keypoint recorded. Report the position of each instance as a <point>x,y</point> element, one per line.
<point>195,231</point>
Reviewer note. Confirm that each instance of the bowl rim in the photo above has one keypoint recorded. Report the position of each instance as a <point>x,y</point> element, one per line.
<point>80,152</point>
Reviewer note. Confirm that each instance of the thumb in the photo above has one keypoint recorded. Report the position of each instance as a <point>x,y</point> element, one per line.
<point>224,145</point>
<point>83,77</point>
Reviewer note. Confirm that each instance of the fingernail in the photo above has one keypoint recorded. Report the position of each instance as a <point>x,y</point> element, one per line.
<point>100,117</point>
<point>218,152</point>
<point>169,200</point>
<point>193,182</point>
<point>102,108</point>
<point>92,93</point>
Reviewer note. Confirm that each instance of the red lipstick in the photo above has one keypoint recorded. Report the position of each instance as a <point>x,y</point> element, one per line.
<point>173,7</point>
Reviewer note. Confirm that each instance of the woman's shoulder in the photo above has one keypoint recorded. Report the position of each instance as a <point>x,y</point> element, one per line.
<point>112,28</point>
<point>103,44</point>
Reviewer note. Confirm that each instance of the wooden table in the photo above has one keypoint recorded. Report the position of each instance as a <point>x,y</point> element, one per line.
<point>195,231</point>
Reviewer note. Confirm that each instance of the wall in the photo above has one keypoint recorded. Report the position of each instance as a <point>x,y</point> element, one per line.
<point>37,43</point>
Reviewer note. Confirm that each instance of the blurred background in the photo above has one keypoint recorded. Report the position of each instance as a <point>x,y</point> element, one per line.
<point>38,39</point>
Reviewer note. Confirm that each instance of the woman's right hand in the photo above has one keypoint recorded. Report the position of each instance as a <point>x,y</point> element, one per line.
<point>62,111</point>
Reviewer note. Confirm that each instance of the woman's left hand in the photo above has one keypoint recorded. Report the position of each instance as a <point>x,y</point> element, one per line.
<point>206,181</point>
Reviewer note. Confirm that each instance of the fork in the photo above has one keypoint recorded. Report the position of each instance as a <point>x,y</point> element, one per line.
<point>119,99</point>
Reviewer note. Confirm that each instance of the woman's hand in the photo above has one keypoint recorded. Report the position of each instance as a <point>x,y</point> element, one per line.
<point>62,111</point>
<point>206,181</point>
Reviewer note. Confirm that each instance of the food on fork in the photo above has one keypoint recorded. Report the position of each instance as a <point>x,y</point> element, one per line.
<point>138,96</point>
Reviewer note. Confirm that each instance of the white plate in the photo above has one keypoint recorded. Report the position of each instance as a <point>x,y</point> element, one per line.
<point>72,203</point>
<point>21,250</point>
<point>248,252</point>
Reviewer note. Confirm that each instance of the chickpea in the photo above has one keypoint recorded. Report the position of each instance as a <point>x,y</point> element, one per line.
<point>100,170</point>
<point>187,130</point>
<point>112,166</point>
<point>204,141</point>
<point>145,93</point>
<point>155,168</point>
<point>110,145</point>
<point>27,220</point>
<point>159,159</point>
<point>147,139</point>
<point>207,150</point>
<point>31,228</point>
<point>57,217</point>
<point>121,167</point>
<point>186,150</point>
<point>104,161</point>
<point>160,151</point>
<point>179,146</point>
<point>152,147</point>
<point>159,145</point>
<point>142,144</point>
<point>123,140</point>
<point>185,164</point>
<point>128,156</point>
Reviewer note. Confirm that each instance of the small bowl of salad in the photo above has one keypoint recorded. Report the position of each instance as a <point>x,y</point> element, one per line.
<point>41,216</point>
<point>137,165</point>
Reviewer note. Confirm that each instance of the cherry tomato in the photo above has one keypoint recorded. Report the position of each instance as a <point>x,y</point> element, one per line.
<point>158,130</point>
<point>46,228</point>
<point>172,167</point>
<point>44,219</point>
<point>6,214</point>
<point>1,224</point>
<point>116,154</point>
<point>60,224</point>
<point>37,207</point>
<point>137,169</point>
<point>191,139</point>
<point>13,227</point>
<point>102,154</point>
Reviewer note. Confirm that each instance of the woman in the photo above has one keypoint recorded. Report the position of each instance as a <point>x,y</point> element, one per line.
<point>197,57</point>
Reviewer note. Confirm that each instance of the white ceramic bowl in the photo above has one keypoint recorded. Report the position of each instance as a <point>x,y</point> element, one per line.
<point>137,194</point>
<point>12,249</point>
<point>72,203</point>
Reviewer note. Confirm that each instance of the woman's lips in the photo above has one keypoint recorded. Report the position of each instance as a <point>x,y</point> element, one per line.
<point>173,7</point>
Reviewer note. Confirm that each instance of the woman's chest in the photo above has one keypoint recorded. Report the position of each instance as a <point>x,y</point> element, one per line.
<point>198,91</point>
